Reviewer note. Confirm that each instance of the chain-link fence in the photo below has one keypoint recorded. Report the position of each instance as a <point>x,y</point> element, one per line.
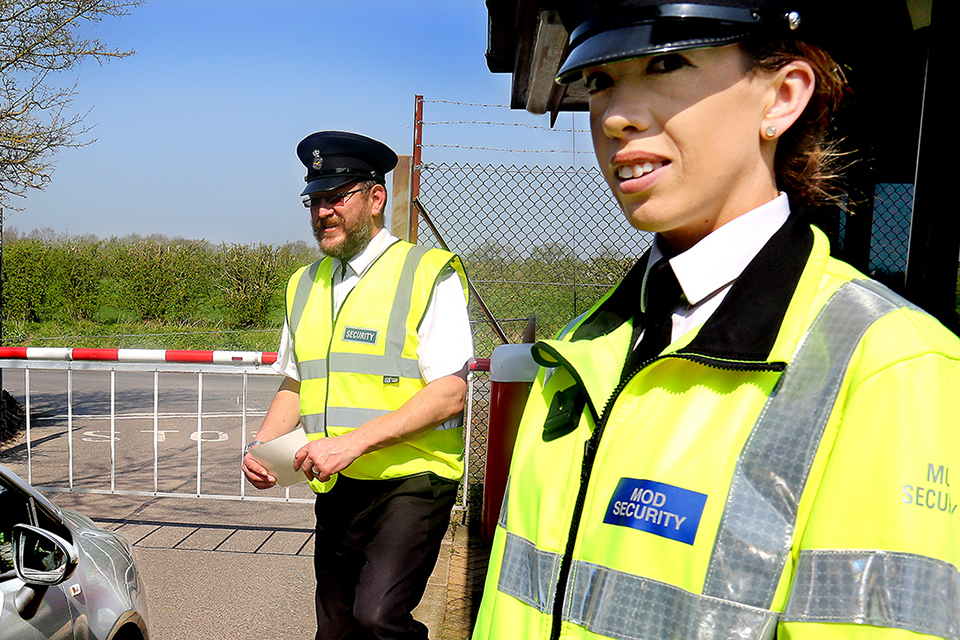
<point>890,238</point>
<point>536,241</point>
<point>545,242</point>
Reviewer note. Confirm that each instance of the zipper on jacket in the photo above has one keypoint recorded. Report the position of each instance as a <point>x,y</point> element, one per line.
<point>590,448</point>
<point>589,454</point>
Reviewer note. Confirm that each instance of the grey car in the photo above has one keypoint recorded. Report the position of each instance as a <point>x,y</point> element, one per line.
<point>61,576</point>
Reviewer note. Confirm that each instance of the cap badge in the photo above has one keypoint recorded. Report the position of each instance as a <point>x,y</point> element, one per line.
<point>317,160</point>
<point>793,20</point>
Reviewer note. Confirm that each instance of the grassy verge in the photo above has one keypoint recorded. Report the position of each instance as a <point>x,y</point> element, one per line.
<point>139,335</point>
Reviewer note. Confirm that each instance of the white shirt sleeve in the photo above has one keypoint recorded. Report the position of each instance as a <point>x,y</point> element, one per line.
<point>446,341</point>
<point>286,364</point>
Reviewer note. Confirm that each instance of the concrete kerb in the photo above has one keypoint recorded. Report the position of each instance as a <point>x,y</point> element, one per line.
<point>221,568</point>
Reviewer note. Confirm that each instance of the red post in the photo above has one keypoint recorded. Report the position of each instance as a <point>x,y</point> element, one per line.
<point>512,371</point>
<point>415,174</point>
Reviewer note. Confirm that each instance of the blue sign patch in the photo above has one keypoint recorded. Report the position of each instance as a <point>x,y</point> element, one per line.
<point>657,508</point>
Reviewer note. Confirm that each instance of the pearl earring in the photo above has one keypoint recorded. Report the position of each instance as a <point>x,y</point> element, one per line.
<point>771,131</point>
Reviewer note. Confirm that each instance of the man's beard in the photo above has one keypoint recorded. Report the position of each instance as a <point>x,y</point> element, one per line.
<point>355,239</point>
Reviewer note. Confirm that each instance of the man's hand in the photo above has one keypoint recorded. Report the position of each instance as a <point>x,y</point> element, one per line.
<point>438,401</point>
<point>322,458</point>
<point>256,474</point>
<point>282,417</point>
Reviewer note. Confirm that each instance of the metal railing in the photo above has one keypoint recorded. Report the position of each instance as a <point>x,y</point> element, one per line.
<point>202,365</point>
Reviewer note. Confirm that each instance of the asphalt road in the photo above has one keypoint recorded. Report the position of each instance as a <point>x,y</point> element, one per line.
<point>214,568</point>
<point>121,445</point>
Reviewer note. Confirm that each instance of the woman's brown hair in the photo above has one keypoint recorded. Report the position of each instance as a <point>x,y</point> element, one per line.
<point>808,162</point>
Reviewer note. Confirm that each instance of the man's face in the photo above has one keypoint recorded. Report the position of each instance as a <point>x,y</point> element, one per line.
<point>342,219</point>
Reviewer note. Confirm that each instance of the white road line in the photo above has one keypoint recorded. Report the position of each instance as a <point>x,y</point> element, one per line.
<point>141,416</point>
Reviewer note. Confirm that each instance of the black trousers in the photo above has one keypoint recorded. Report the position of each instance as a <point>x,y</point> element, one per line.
<point>377,544</point>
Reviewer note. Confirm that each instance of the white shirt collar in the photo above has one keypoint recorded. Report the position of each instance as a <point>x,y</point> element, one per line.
<point>720,257</point>
<point>359,263</point>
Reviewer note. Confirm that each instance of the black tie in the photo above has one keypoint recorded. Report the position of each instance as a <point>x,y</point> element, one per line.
<point>663,295</point>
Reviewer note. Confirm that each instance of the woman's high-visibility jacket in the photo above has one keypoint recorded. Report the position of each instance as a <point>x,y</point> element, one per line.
<point>784,471</point>
<point>362,362</point>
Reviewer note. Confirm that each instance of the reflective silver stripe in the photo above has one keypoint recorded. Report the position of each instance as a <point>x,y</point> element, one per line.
<point>757,526</point>
<point>455,422</point>
<point>573,324</point>
<point>623,606</point>
<point>502,521</point>
<point>528,573</point>
<point>627,607</point>
<point>397,325</point>
<point>882,291</point>
<point>351,416</point>
<point>877,588</point>
<point>301,294</point>
<point>312,369</point>
<point>756,529</point>
<point>312,423</point>
<point>390,363</point>
<point>374,365</point>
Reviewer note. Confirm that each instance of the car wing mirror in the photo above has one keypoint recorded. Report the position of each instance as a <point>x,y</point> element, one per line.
<point>42,558</point>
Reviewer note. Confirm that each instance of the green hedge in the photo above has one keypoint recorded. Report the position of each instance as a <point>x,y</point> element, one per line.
<point>145,292</point>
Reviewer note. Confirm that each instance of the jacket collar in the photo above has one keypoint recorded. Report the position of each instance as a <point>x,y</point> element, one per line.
<point>745,326</point>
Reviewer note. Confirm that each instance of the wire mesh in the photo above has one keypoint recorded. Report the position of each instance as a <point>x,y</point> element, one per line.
<point>536,241</point>
<point>890,237</point>
<point>546,242</point>
<point>477,456</point>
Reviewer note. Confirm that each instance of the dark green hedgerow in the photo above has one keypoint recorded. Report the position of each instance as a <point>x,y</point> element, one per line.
<point>145,292</point>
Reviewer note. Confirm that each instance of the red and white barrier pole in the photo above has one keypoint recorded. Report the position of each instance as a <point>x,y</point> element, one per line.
<point>138,355</point>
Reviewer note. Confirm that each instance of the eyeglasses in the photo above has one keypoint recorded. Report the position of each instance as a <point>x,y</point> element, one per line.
<point>330,201</point>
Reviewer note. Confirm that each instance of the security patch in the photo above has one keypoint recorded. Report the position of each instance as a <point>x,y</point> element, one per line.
<point>657,508</point>
<point>364,336</point>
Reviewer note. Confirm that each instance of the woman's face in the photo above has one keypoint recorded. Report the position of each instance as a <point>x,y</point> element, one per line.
<point>679,139</point>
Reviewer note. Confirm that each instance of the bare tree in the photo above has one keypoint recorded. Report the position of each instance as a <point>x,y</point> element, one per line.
<point>38,40</point>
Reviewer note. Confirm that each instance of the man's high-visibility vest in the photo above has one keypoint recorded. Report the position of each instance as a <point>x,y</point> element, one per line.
<point>362,363</point>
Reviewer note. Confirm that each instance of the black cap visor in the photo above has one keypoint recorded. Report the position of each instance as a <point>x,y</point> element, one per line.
<point>329,183</point>
<point>599,45</point>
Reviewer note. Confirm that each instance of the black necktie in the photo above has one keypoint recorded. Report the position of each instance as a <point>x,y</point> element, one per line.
<point>663,295</point>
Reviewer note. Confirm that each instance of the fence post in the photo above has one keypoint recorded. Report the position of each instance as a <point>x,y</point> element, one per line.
<point>3,399</point>
<point>931,280</point>
<point>415,172</point>
<point>401,211</point>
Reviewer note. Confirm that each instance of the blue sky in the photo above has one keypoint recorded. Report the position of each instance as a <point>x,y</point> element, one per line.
<point>195,134</point>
